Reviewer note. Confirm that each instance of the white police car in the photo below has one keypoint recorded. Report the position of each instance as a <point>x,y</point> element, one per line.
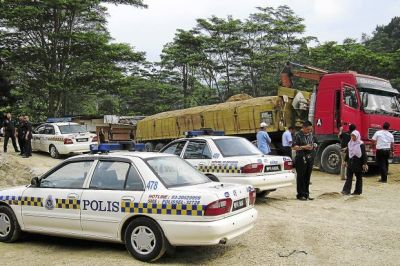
<point>149,201</point>
<point>234,160</point>
<point>62,138</point>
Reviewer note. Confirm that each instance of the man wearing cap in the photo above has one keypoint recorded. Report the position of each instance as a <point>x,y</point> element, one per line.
<point>263,139</point>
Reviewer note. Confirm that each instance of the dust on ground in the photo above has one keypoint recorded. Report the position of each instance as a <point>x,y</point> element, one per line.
<point>331,230</point>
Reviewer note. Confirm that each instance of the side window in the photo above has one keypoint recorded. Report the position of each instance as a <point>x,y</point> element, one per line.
<point>109,175</point>
<point>133,181</point>
<point>71,175</point>
<point>350,97</point>
<point>40,130</point>
<point>175,148</point>
<point>49,130</point>
<point>197,150</point>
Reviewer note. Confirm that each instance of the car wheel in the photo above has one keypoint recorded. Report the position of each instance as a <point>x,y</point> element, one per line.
<point>9,227</point>
<point>149,146</point>
<point>54,152</point>
<point>145,240</point>
<point>212,177</point>
<point>159,146</point>
<point>331,159</point>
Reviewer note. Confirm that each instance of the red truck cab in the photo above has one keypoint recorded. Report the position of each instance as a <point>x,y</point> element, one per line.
<point>367,102</point>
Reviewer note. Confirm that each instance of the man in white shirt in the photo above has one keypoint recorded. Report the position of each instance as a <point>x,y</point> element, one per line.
<point>384,141</point>
<point>287,141</point>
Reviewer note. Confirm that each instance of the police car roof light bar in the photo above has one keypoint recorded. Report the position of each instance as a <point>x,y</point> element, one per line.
<point>204,132</point>
<point>118,146</point>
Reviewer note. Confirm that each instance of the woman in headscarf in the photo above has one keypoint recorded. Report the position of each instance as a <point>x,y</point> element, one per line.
<point>356,163</point>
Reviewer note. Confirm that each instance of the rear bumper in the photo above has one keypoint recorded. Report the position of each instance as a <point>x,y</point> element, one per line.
<point>208,233</point>
<point>263,182</point>
<point>72,148</point>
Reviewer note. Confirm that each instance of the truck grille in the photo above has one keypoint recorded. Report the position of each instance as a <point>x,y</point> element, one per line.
<point>396,134</point>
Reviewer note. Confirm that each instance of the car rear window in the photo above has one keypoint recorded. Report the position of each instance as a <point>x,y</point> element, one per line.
<point>70,129</point>
<point>174,172</point>
<point>230,147</point>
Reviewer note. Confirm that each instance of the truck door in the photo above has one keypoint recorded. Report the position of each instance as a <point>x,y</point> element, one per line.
<point>350,107</point>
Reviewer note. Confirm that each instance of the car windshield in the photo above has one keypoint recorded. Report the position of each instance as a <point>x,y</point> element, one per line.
<point>70,129</point>
<point>175,172</point>
<point>236,147</point>
<point>380,102</point>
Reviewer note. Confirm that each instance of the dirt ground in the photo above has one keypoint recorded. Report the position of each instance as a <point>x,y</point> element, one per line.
<point>331,230</point>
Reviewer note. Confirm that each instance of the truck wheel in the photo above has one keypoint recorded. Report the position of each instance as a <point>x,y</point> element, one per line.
<point>212,177</point>
<point>331,159</point>
<point>54,152</point>
<point>145,240</point>
<point>9,227</point>
<point>149,146</point>
<point>159,146</point>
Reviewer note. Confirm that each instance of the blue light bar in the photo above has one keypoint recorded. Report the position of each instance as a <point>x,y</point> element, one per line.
<point>117,146</point>
<point>58,119</point>
<point>204,132</point>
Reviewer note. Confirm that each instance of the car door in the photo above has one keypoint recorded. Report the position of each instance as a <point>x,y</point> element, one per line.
<point>37,135</point>
<point>114,182</point>
<point>46,137</point>
<point>55,205</point>
<point>198,154</point>
<point>175,148</point>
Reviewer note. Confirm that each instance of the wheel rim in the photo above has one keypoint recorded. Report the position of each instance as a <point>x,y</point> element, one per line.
<point>53,151</point>
<point>333,160</point>
<point>5,225</point>
<point>143,240</point>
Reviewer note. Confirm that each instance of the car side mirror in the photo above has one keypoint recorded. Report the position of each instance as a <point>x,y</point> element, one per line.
<point>35,182</point>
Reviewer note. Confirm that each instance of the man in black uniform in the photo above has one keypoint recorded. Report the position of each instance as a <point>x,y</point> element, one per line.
<point>9,132</point>
<point>21,135</point>
<point>304,145</point>
<point>28,138</point>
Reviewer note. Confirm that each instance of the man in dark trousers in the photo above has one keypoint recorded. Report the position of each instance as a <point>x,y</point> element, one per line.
<point>344,138</point>
<point>384,141</point>
<point>304,146</point>
<point>9,132</point>
<point>21,134</point>
<point>28,138</point>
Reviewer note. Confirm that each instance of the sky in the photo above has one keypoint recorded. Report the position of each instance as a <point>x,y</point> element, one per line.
<point>148,30</point>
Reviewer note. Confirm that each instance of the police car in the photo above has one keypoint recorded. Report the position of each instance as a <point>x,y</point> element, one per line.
<point>149,201</point>
<point>62,138</point>
<point>234,160</point>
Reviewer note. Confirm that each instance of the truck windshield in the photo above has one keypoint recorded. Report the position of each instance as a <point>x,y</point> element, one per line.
<point>230,147</point>
<point>380,102</point>
<point>175,172</point>
<point>71,129</point>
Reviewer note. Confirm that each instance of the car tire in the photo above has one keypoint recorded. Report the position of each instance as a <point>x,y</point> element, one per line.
<point>145,240</point>
<point>212,177</point>
<point>54,152</point>
<point>331,159</point>
<point>149,147</point>
<point>10,231</point>
<point>159,146</point>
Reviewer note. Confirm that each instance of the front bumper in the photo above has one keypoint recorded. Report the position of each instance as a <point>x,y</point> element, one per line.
<point>263,182</point>
<point>208,233</point>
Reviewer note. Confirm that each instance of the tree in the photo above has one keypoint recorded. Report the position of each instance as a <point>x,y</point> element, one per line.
<point>59,49</point>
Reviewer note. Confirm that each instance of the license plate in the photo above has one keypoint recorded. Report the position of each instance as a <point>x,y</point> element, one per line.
<point>81,140</point>
<point>239,204</point>
<point>272,168</point>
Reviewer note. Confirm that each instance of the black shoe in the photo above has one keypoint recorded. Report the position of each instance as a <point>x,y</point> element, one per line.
<point>344,193</point>
<point>355,194</point>
<point>310,198</point>
<point>302,198</point>
<point>17,151</point>
<point>24,156</point>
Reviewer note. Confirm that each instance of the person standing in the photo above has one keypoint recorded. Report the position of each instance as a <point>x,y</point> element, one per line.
<point>384,141</point>
<point>344,138</point>
<point>263,139</point>
<point>356,163</point>
<point>287,141</point>
<point>9,132</point>
<point>304,145</point>
<point>21,134</point>
<point>28,138</point>
<point>102,136</point>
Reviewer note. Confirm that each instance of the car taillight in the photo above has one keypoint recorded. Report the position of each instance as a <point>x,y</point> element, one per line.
<point>253,168</point>
<point>94,139</point>
<point>252,197</point>
<point>218,207</point>
<point>288,165</point>
<point>68,141</point>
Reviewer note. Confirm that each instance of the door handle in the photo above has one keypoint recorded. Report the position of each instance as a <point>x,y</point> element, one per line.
<point>73,196</point>
<point>129,199</point>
